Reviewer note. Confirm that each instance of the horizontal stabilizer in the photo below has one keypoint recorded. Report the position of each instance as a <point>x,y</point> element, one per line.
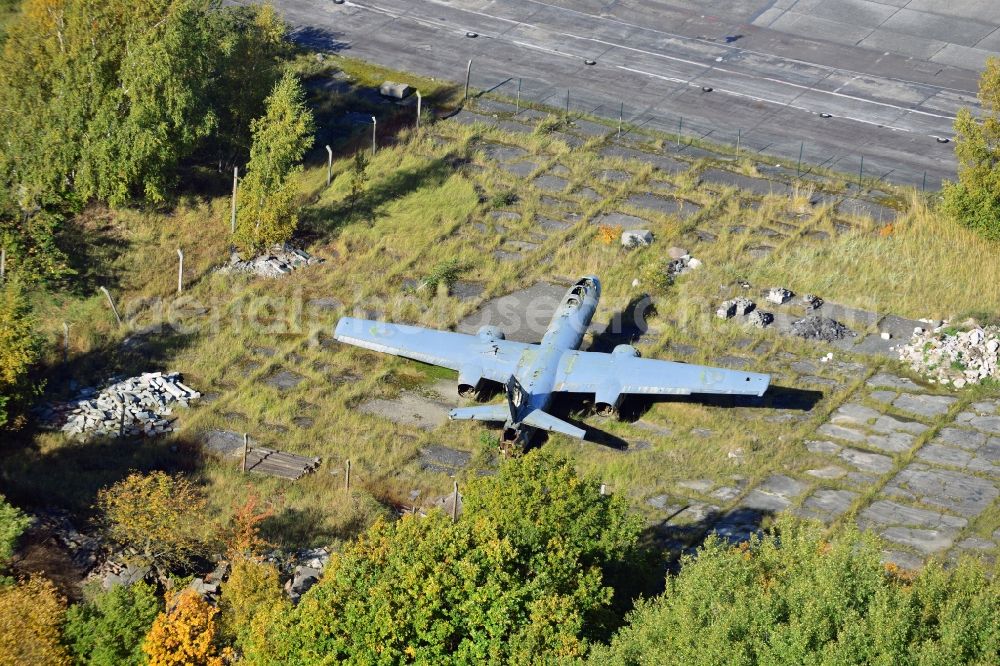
<point>545,421</point>
<point>498,412</point>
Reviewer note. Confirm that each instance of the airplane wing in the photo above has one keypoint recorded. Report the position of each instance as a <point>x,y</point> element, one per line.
<point>490,358</point>
<point>613,374</point>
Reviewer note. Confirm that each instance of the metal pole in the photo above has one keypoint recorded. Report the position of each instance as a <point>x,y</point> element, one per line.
<point>454,504</point>
<point>567,102</point>
<point>923,187</point>
<point>374,125</point>
<point>468,75</point>
<point>517,105</point>
<point>739,138</point>
<point>680,128</point>
<point>621,116</point>
<point>246,451</point>
<point>112,304</point>
<point>419,101</point>
<point>180,271</point>
<point>329,165</point>
<point>861,170</point>
<point>798,168</point>
<point>232,214</point>
<point>347,477</point>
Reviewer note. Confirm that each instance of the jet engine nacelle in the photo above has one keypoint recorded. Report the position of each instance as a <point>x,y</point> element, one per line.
<point>470,381</point>
<point>490,333</point>
<point>625,350</point>
<point>607,399</point>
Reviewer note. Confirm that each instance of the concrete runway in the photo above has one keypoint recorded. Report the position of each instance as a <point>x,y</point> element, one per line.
<point>890,74</point>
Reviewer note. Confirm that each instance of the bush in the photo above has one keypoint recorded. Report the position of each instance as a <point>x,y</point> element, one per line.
<point>20,348</point>
<point>185,634</point>
<point>157,514</point>
<point>975,199</point>
<point>13,522</point>
<point>795,597</point>
<point>31,616</point>
<point>250,598</point>
<point>109,630</point>
<point>519,579</point>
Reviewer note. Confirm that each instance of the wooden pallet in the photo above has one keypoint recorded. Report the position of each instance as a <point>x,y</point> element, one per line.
<point>279,463</point>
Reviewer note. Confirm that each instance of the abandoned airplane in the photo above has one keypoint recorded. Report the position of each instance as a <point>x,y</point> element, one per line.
<point>532,373</point>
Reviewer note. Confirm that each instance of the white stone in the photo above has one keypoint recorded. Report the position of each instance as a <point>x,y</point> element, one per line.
<point>779,295</point>
<point>886,335</point>
<point>636,238</point>
<point>694,263</point>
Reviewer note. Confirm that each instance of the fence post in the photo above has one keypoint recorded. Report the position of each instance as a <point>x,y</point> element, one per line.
<point>923,187</point>
<point>419,102</point>
<point>861,170</point>
<point>468,76</point>
<point>680,128</point>
<point>65,342</point>
<point>517,104</point>
<point>347,476</point>
<point>329,165</point>
<point>180,270</point>
<point>3,264</point>
<point>798,167</point>
<point>246,451</point>
<point>621,116</point>
<point>374,125</point>
<point>739,139</point>
<point>567,102</point>
<point>112,304</point>
<point>121,422</point>
<point>232,214</point>
<point>454,504</point>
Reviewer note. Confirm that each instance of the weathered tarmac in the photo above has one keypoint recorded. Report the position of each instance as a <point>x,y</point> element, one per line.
<point>836,79</point>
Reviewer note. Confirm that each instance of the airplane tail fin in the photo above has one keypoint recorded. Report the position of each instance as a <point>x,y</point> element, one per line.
<point>480,413</point>
<point>545,421</point>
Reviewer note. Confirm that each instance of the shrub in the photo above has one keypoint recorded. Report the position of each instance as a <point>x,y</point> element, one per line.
<point>109,630</point>
<point>184,634</point>
<point>31,616</point>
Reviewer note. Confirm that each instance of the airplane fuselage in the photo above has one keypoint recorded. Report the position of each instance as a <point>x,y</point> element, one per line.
<point>537,368</point>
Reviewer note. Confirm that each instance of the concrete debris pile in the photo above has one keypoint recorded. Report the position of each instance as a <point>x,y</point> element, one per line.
<point>956,358</point>
<point>779,295</point>
<point>760,319</point>
<point>815,327</point>
<point>133,406</point>
<point>736,307</point>
<point>278,261</point>
<point>681,265</point>
<point>812,302</point>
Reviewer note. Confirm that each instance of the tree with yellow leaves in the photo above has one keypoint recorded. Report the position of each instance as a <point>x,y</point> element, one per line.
<point>157,514</point>
<point>185,634</point>
<point>31,615</point>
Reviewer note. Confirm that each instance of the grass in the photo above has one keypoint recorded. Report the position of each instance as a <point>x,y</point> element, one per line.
<point>417,221</point>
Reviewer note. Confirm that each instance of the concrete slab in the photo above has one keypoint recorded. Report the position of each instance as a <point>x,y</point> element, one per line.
<point>626,222</point>
<point>550,183</point>
<point>756,186</point>
<point>953,491</point>
<point>927,406</point>
<point>523,315</point>
<point>676,207</point>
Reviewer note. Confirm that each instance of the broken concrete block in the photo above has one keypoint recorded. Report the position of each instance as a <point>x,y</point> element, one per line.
<point>395,90</point>
<point>636,238</point>
<point>677,252</point>
<point>779,295</point>
<point>727,310</point>
<point>744,306</point>
<point>760,319</point>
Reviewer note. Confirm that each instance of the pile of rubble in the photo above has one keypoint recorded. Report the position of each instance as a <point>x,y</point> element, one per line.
<point>736,307</point>
<point>958,358</point>
<point>680,262</point>
<point>815,327</point>
<point>278,261</point>
<point>133,406</point>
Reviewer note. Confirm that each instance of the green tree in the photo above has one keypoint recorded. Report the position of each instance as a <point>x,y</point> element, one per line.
<point>20,348</point>
<point>13,522</point>
<point>31,618</point>
<point>511,582</point>
<point>251,597</point>
<point>974,200</point>
<point>109,630</point>
<point>797,597</point>
<point>266,213</point>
